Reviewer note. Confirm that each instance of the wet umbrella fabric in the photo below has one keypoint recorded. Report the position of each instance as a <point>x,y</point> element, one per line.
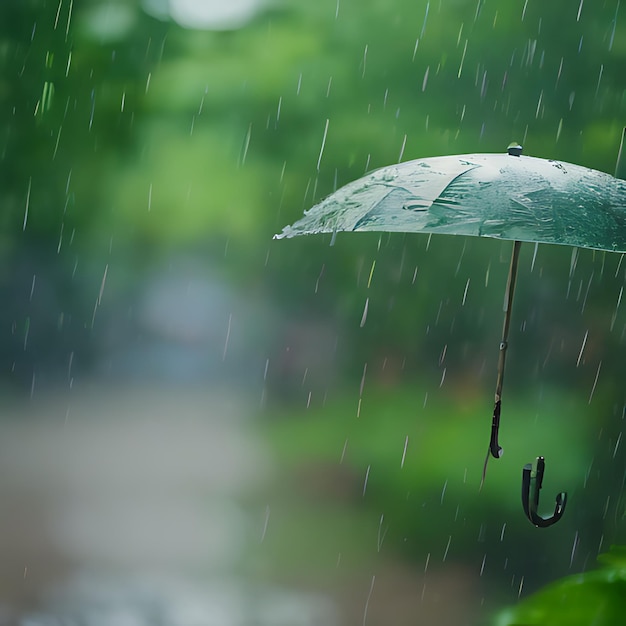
<point>518,198</point>
<point>503,196</point>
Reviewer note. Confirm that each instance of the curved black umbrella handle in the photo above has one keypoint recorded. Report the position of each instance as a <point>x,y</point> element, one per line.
<point>531,485</point>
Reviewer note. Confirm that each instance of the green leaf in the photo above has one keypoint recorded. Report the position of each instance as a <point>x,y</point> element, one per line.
<point>597,597</point>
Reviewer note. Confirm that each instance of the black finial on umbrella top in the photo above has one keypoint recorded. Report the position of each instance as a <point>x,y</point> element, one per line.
<point>514,149</point>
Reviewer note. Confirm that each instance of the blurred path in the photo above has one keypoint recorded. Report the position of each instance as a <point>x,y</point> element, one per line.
<point>127,500</point>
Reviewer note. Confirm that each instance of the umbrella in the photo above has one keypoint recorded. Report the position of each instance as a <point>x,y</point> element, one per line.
<point>503,196</point>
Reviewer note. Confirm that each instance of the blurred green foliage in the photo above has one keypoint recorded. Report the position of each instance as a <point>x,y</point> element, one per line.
<point>125,139</point>
<point>596,597</point>
<point>123,135</point>
<point>227,126</point>
<point>415,455</point>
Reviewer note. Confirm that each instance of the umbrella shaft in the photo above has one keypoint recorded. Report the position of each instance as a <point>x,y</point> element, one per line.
<point>508,305</point>
<point>494,447</point>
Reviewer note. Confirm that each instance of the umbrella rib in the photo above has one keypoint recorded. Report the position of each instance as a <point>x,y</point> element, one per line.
<point>495,449</point>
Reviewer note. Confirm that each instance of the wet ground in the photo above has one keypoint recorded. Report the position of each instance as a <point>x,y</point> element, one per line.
<point>123,506</point>
<point>132,506</point>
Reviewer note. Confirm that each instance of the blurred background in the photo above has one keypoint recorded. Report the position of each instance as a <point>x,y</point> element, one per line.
<point>201,425</point>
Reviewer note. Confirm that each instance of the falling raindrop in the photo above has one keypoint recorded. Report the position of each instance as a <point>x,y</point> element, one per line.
<point>402,149</point>
<point>406,443</point>
<point>425,19</point>
<point>443,492</point>
<point>576,537</point>
<point>343,452</point>
<point>559,129</point>
<point>582,348</point>
<point>445,554</point>
<point>539,104</point>
<point>266,522</point>
<point>26,331</point>
<point>280,103</point>
<point>32,288</point>
<point>619,300</point>
<point>367,601</point>
<point>369,279</point>
<point>367,474</point>
<point>364,60</point>
<point>246,144</point>
<point>612,38</point>
<point>93,108</point>
<point>227,339</point>
<point>362,385</point>
<point>483,87</point>
<point>319,158</point>
<point>467,284</point>
<point>595,382</point>
<point>30,180</point>
<point>319,278</point>
<point>381,533</point>
<point>582,310</point>
<point>619,439</point>
<point>104,278</point>
<point>599,79</point>
<point>462,60</point>
<point>364,316</point>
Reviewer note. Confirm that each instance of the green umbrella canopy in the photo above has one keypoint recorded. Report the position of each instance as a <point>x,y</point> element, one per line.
<point>503,196</point>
